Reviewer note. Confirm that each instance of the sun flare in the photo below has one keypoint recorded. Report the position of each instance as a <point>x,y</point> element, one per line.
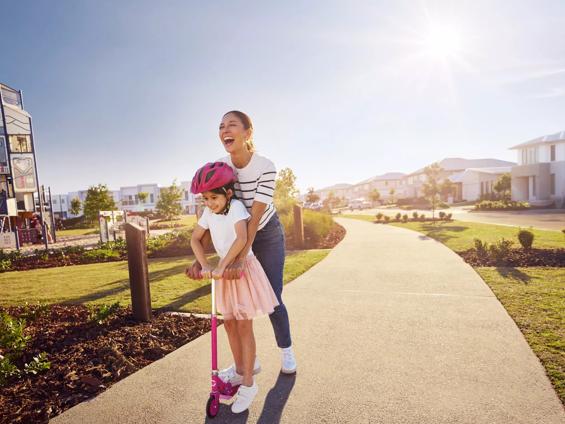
<point>442,41</point>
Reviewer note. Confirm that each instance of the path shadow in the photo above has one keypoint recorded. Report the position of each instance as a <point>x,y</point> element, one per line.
<point>514,273</point>
<point>276,399</point>
<point>226,416</point>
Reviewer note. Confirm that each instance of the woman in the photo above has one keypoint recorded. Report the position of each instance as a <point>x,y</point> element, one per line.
<point>265,236</point>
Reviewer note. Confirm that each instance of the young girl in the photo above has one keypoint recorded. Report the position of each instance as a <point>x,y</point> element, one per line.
<point>238,300</point>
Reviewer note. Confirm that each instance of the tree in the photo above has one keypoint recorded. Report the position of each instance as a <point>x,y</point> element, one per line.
<point>142,196</point>
<point>98,198</point>
<point>75,206</point>
<point>503,186</point>
<point>168,204</point>
<point>431,187</point>
<point>332,201</point>
<point>311,196</point>
<point>374,196</point>
<point>391,194</point>
<point>285,190</point>
<point>446,188</point>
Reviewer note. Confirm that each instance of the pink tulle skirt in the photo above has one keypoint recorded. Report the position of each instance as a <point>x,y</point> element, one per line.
<point>247,297</point>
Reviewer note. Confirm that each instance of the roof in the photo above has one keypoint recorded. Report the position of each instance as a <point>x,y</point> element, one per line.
<point>456,164</point>
<point>383,177</point>
<point>550,138</point>
<point>458,177</point>
<point>336,187</point>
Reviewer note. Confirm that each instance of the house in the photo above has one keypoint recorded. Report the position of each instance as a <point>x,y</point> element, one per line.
<point>539,176</point>
<point>412,183</point>
<point>339,190</point>
<point>474,183</point>
<point>382,183</point>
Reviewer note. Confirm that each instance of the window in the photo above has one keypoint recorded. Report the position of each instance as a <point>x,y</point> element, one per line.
<point>20,144</point>
<point>552,184</point>
<point>151,198</point>
<point>552,153</point>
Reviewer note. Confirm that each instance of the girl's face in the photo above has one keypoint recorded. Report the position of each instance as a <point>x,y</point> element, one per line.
<point>216,202</point>
<point>233,134</point>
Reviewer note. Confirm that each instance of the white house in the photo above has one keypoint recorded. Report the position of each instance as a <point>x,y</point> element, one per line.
<point>382,183</point>
<point>539,177</point>
<point>476,182</point>
<point>412,183</point>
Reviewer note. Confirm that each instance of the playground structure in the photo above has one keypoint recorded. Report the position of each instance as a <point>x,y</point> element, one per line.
<point>25,217</point>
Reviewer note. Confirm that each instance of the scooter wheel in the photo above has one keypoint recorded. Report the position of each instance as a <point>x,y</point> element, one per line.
<point>212,406</point>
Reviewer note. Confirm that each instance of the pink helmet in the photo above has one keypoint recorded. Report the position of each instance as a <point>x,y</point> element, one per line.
<point>212,175</point>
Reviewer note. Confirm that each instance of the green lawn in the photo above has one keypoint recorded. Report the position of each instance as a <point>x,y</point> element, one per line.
<point>77,232</point>
<point>187,221</point>
<point>459,235</point>
<point>108,282</point>
<point>535,299</point>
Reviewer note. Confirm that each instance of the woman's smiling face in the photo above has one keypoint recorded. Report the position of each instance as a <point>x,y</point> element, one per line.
<point>233,134</point>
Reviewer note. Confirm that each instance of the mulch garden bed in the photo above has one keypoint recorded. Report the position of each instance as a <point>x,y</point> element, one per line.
<point>518,258</point>
<point>336,235</point>
<point>86,357</point>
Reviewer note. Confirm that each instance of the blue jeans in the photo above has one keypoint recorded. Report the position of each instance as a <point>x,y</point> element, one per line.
<point>268,247</point>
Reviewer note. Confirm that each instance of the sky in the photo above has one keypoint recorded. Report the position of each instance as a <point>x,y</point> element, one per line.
<point>132,92</point>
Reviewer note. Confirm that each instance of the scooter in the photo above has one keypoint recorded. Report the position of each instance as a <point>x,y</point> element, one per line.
<point>220,390</point>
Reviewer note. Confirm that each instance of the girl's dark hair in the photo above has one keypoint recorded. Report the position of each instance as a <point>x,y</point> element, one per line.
<point>223,191</point>
<point>247,124</point>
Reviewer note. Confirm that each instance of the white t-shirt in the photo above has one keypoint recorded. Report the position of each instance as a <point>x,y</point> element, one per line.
<point>222,227</point>
<point>255,182</point>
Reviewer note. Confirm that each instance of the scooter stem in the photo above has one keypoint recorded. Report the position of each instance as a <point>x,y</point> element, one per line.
<point>214,332</point>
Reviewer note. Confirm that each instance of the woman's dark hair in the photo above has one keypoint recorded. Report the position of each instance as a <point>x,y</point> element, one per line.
<point>247,124</point>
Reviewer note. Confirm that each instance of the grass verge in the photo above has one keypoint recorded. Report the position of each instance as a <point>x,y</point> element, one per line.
<point>109,282</point>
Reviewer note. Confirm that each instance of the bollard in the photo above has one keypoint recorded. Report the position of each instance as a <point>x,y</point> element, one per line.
<point>298,227</point>
<point>138,273</point>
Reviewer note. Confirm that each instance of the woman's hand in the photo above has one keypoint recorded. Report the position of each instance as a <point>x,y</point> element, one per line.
<point>206,271</point>
<point>194,271</point>
<point>234,270</point>
<point>218,273</point>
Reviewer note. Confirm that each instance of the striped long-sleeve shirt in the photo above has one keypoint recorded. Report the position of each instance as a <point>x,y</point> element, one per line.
<point>256,182</point>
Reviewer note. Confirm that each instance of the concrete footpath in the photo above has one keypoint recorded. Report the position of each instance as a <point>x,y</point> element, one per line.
<point>392,327</point>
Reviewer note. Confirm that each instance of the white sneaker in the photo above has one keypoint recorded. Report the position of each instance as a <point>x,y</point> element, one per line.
<point>288,361</point>
<point>230,375</point>
<point>244,397</point>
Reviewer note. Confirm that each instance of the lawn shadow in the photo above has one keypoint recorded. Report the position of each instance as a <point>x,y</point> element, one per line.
<point>514,273</point>
<point>437,231</point>
<point>121,285</point>
<point>187,298</point>
<point>276,399</point>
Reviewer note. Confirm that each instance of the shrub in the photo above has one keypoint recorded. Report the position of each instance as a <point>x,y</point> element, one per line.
<point>387,218</point>
<point>423,217</point>
<point>5,264</point>
<point>13,341</point>
<point>500,250</point>
<point>317,225</point>
<point>398,216</point>
<point>498,204</point>
<point>415,215</point>
<point>99,314</point>
<point>448,216</point>
<point>405,218</point>
<point>481,248</point>
<point>526,239</point>
<point>441,215</point>
<point>380,215</point>
<point>100,255</point>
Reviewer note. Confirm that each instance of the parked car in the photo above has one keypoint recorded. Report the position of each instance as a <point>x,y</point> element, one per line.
<point>359,204</point>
